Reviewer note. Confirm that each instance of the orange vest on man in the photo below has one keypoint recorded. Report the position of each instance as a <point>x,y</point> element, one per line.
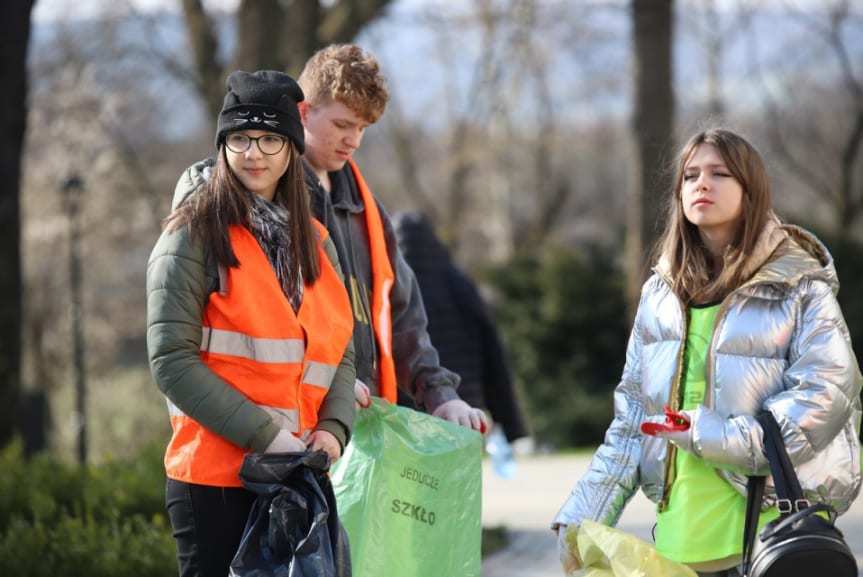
<point>382,283</point>
<point>281,360</point>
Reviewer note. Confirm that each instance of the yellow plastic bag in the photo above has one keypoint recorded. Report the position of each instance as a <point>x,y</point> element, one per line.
<point>608,552</point>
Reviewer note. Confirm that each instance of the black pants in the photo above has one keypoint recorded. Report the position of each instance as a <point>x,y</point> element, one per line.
<point>208,524</point>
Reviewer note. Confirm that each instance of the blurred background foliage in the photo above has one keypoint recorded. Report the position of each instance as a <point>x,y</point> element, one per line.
<point>511,125</point>
<point>107,520</point>
<point>569,305</point>
<point>535,134</point>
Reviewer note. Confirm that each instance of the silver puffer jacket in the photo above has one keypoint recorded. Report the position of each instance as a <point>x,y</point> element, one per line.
<point>780,343</point>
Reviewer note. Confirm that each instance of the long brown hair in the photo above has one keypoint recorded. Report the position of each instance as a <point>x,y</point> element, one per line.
<point>691,264</point>
<point>224,202</point>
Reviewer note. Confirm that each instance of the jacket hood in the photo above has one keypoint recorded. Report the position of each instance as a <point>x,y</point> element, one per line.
<point>800,255</point>
<point>784,253</point>
<point>192,179</point>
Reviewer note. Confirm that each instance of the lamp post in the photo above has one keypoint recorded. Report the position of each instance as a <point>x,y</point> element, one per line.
<point>73,189</point>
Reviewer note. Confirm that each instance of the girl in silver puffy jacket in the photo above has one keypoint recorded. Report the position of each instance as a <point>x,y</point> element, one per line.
<point>739,316</point>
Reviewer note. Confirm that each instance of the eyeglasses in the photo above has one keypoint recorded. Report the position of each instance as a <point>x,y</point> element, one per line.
<point>238,142</point>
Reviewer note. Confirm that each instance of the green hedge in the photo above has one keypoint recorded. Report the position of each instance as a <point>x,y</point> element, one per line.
<point>60,519</point>
<point>562,316</point>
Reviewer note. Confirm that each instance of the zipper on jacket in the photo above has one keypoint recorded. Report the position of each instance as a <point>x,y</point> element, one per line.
<point>674,403</point>
<point>363,301</point>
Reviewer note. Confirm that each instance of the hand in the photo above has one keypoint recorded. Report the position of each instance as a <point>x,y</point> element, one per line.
<point>683,440</point>
<point>674,422</point>
<point>677,429</point>
<point>285,442</point>
<point>568,556</point>
<point>362,395</point>
<point>325,441</point>
<point>460,413</point>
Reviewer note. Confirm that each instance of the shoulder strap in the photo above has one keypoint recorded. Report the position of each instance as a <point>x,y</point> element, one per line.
<point>754,495</point>
<point>784,477</point>
<point>216,275</point>
<point>788,491</point>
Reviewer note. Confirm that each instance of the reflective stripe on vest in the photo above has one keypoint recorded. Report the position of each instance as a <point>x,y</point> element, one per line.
<point>267,351</point>
<point>282,361</point>
<point>382,283</point>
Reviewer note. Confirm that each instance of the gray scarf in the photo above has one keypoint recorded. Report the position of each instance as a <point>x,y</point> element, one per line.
<point>270,224</point>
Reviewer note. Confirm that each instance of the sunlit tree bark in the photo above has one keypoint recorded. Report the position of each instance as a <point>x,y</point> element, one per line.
<point>652,132</point>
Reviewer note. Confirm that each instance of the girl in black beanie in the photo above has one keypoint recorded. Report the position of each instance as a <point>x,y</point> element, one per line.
<point>248,321</point>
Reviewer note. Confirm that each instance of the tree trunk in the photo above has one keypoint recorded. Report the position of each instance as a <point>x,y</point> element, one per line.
<point>259,25</point>
<point>271,35</point>
<point>204,45</point>
<point>15,34</point>
<point>652,126</point>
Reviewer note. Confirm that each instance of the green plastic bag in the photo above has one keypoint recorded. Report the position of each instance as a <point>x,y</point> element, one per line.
<point>409,494</point>
<point>608,552</point>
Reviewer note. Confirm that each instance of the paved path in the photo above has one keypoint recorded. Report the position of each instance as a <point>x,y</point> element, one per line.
<point>525,505</point>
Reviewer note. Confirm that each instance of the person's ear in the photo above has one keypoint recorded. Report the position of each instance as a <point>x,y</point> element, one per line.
<point>304,109</point>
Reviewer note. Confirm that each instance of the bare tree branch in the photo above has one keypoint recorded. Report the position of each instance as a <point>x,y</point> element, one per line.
<point>844,194</point>
<point>850,201</point>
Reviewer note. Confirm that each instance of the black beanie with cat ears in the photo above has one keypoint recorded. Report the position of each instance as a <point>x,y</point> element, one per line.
<point>262,100</point>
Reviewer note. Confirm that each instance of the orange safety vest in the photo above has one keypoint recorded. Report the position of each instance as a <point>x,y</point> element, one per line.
<point>382,283</point>
<point>282,361</point>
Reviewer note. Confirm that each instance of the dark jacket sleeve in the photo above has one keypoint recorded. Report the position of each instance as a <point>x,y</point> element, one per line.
<point>418,368</point>
<point>338,411</point>
<point>499,390</point>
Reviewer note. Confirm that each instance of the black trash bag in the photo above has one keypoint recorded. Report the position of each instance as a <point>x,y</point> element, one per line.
<point>293,528</point>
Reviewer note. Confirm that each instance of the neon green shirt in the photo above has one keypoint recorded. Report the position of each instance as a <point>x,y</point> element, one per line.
<point>703,520</point>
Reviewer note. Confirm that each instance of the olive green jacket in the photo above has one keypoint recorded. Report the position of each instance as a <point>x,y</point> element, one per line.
<point>179,281</point>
